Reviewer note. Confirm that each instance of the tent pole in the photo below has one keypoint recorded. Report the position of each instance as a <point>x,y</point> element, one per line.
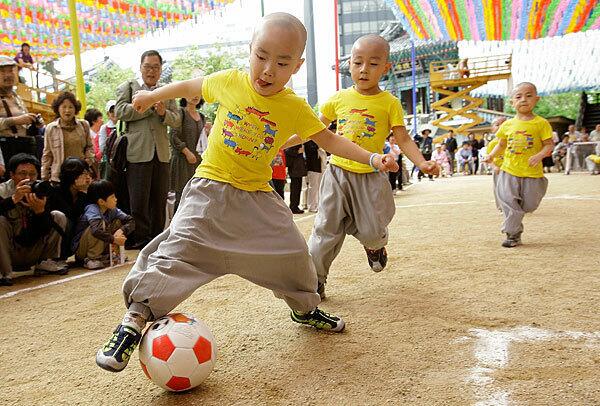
<point>77,52</point>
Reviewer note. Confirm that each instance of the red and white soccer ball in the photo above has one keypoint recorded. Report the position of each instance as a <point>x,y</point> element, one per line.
<point>178,352</point>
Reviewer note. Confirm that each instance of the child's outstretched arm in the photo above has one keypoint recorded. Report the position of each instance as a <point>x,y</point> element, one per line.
<point>188,89</point>
<point>296,140</point>
<point>498,150</point>
<point>343,147</point>
<point>408,146</point>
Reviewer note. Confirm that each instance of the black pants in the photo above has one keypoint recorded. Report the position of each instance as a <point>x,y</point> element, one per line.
<point>295,189</point>
<point>421,173</point>
<point>475,162</point>
<point>148,184</point>
<point>12,146</point>
<point>396,177</point>
<point>279,186</point>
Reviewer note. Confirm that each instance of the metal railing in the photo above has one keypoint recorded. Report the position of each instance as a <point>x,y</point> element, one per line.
<point>575,151</point>
<point>43,93</point>
<point>481,67</point>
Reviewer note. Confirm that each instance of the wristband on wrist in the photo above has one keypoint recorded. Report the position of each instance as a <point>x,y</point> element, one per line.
<point>371,158</point>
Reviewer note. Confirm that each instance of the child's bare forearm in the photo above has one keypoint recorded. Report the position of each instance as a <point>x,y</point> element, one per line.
<point>498,149</point>
<point>547,149</point>
<point>186,89</point>
<point>341,146</point>
<point>408,146</point>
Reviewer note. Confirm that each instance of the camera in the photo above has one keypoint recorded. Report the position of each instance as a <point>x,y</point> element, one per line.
<point>39,120</point>
<point>34,128</point>
<point>41,188</point>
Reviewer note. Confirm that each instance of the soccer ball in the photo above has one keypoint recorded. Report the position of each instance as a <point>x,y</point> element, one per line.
<point>178,352</point>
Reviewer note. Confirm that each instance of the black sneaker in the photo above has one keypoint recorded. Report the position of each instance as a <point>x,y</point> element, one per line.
<point>321,290</point>
<point>115,354</point>
<point>319,320</point>
<point>377,259</point>
<point>512,241</point>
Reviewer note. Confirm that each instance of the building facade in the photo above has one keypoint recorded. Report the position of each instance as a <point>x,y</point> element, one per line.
<point>357,18</point>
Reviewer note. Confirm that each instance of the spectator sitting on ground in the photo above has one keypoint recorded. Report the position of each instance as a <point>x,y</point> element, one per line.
<point>450,159</point>
<point>101,225</point>
<point>69,197</point>
<point>451,147</point>
<point>595,135</point>
<point>573,134</point>
<point>464,157</point>
<point>441,158</point>
<point>66,136</point>
<point>29,231</point>
<point>560,152</point>
<point>593,161</point>
<point>95,120</point>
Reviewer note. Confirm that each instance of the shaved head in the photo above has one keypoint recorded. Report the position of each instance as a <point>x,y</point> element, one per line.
<point>375,42</point>
<point>286,22</point>
<point>525,84</point>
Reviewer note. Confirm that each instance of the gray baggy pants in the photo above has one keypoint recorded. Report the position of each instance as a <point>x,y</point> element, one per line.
<point>12,255</point>
<point>358,204</point>
<point>495,180</point>
<point>218,230</point>
<point>518,196</point>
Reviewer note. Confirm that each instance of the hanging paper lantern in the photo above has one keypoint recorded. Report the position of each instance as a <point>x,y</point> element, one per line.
<point>494,19</point>
<point>45,24</point>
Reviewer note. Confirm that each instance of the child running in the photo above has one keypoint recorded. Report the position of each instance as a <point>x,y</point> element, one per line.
<point>355,198</point>
<point>525,140</point>
<point>230,221</point>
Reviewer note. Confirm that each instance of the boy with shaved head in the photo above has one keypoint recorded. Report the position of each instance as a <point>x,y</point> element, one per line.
<point>356,198</point>
<point>229,220</point>
<point>524,140</point>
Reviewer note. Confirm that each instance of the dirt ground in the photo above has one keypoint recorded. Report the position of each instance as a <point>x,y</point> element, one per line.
<point>453,319</point>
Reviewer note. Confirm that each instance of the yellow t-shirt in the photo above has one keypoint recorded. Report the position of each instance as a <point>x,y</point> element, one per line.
<point>499,160</point>
<point>249,129</point>
<point>523,139</point>
<point>364,120</point>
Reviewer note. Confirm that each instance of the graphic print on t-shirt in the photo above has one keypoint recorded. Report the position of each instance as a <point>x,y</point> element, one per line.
<point>248,132</point>
<point>519,142</point>
<point>359,124</point>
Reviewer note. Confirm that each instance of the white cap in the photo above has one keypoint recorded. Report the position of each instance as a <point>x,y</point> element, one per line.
<point>7,61</point>
<point>110,104</point>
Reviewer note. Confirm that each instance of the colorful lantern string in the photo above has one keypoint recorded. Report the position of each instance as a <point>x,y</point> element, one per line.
<point>495,19</point>
<point>45,24</point>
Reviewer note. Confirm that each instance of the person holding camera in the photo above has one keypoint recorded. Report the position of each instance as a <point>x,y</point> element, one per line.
<point>67,136</point>
<point>30,234</point>
<point>18,127</point>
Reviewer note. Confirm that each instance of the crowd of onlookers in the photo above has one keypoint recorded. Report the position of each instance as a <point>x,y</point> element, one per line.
<point>82,187</point>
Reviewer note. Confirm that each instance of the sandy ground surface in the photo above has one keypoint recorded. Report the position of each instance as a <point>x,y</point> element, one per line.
<point>454,319</point>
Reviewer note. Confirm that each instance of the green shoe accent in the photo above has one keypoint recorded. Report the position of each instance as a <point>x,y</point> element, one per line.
<point>319,320</point>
